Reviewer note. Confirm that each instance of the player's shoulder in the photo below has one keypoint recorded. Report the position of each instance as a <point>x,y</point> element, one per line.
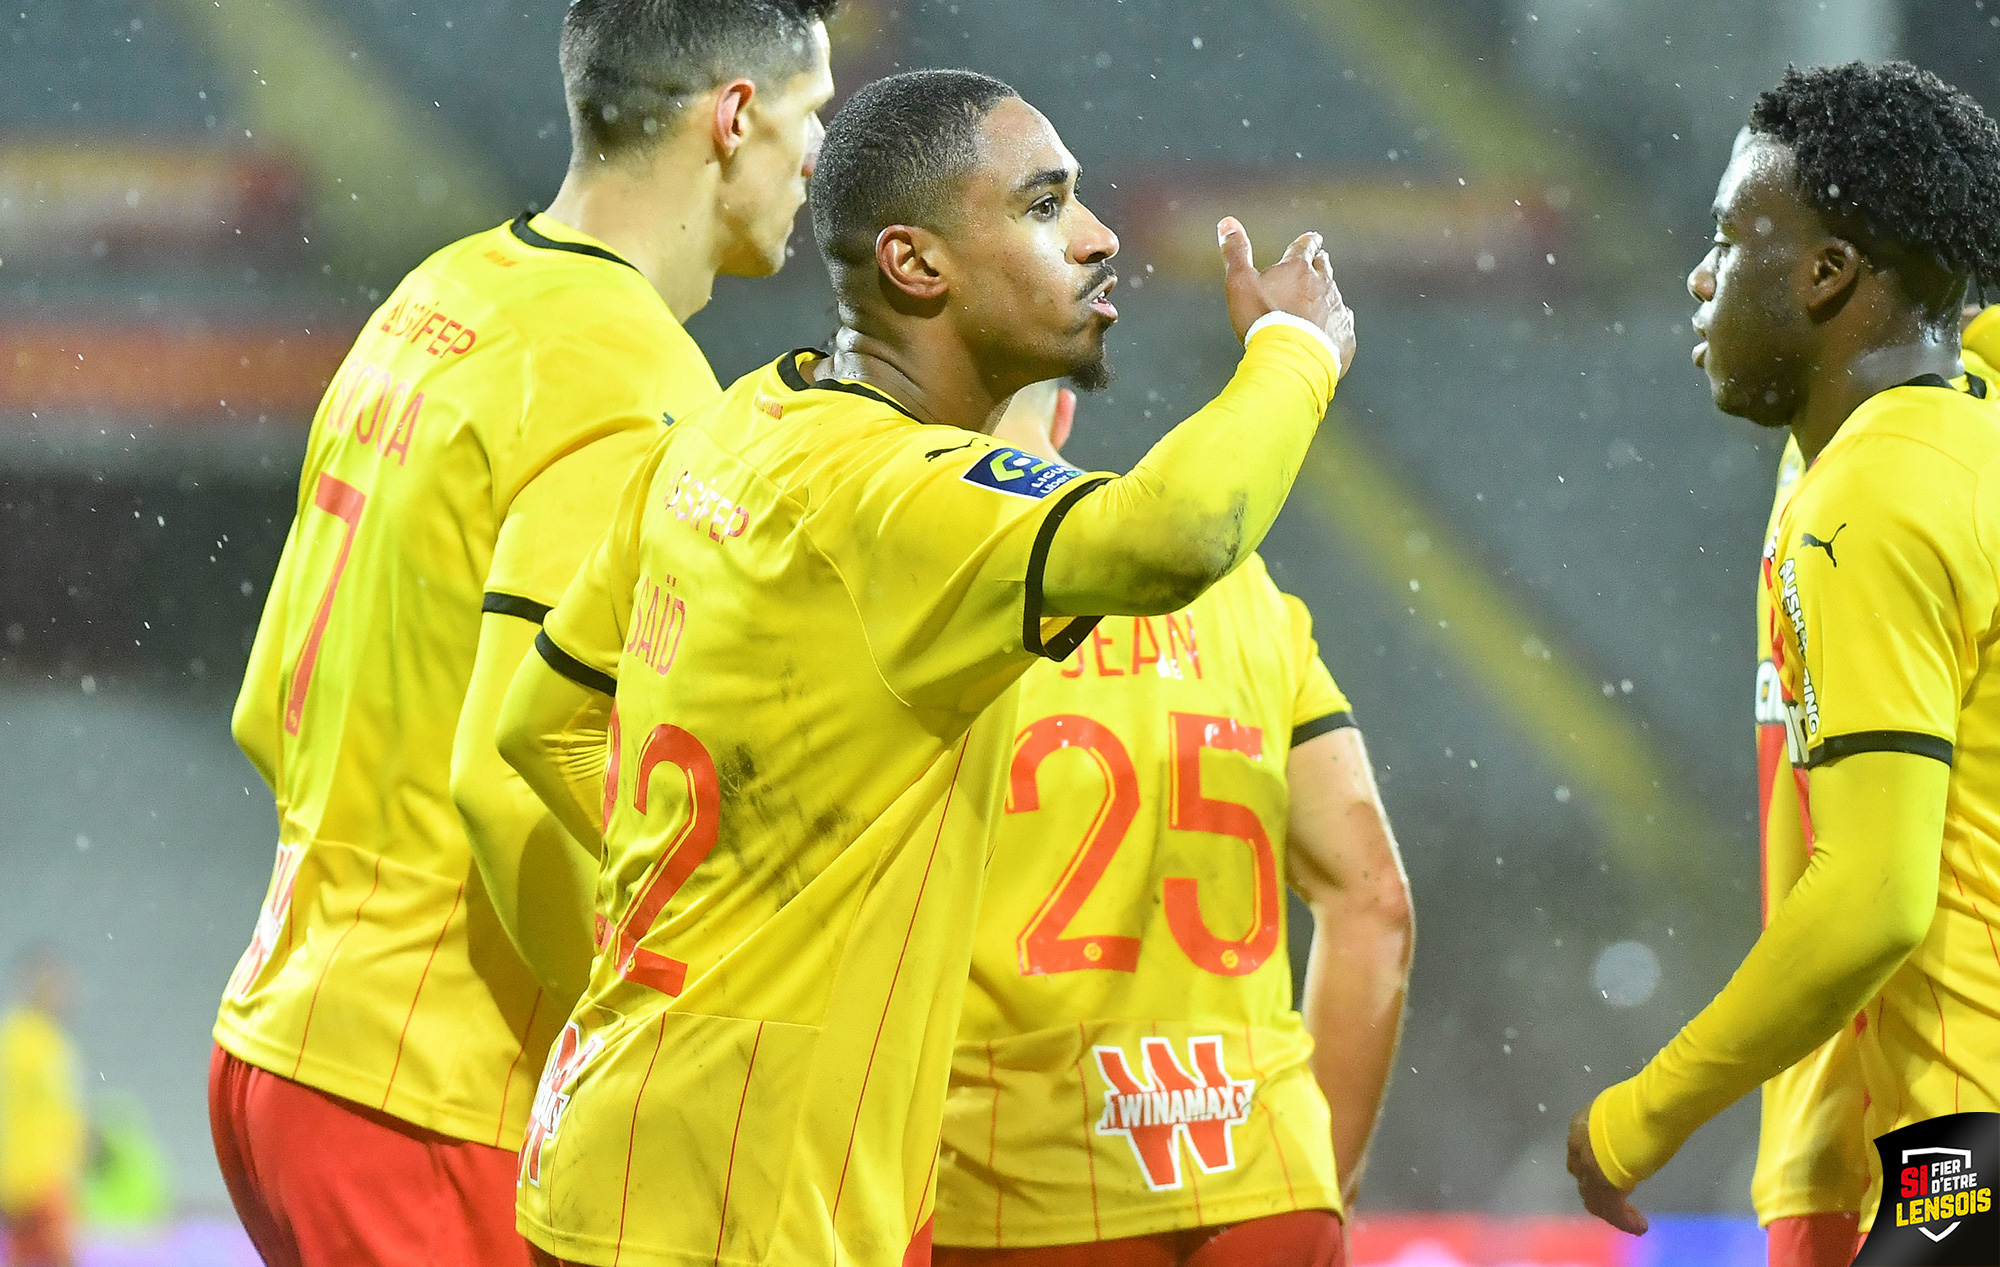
<point>830,439</point>
<point>1982,338</point>
<point>1914,465</point>
<point>552,286</point>
<point>1909,443</point>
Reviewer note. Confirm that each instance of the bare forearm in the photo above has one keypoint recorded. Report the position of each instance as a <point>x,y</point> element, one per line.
<point>1356,981</point>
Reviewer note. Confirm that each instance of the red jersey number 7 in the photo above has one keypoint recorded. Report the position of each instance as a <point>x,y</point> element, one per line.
<point>344,501</point>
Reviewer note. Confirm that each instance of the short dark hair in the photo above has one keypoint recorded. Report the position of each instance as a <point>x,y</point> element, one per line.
<point>1896,156</point>
<point>628,66</point>
<point>895,154</point>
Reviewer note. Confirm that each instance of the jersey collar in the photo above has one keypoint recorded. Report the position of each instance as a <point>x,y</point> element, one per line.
<point>1975,386</point>
<point>795,378</point>
<point>526,232</point>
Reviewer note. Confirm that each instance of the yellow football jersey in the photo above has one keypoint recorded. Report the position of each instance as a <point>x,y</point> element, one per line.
<point>467,454</point>
<point>1883,577</point>
<point>42,1130</point>
<point>1129,1060</point>
<point>1811,1153</point>
<point>811,610</point>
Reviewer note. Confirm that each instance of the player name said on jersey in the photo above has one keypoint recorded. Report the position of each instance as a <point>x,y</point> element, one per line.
<point>523,358</point>
<point>1128,1060</point>
<point>1886,609</point>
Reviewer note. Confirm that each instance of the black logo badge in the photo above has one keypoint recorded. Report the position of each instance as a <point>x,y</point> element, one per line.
<point>1937,1195</point>
<point>1811,542</point>
<point>935,454</point>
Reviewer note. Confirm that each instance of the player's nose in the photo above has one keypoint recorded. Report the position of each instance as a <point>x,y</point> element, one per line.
<point>1701,282</point>
<point>1094,241</point>
<point>815,137</point>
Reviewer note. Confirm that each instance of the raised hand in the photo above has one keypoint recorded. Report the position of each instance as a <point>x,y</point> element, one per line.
<point>1301,283</point>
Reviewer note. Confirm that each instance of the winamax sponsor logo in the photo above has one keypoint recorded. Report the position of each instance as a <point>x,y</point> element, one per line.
<point>1173,1105</point>
<point>566,1061</point>
<point>1937,1195</point>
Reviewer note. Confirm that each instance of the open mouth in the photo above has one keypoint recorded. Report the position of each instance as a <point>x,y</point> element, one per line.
<point>1100,300</point>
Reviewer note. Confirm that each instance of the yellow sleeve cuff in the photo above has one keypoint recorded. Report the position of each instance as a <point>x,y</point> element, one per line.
<point>1275,318</point>
<point>1613,1113</point>
<point>1308,353</point>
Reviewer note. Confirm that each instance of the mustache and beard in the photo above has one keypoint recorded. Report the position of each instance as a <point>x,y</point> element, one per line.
<point>1093,374</point>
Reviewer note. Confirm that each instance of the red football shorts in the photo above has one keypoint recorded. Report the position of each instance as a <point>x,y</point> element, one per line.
<point>323,1182</point>
<point>1813,1240</point>
<point>1302,1238</point>
<point>42,1236</point>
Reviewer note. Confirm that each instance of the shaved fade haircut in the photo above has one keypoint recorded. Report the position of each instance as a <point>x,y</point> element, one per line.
<point>1900,161</point>
<point>896,154</point>
<point>630,66</point>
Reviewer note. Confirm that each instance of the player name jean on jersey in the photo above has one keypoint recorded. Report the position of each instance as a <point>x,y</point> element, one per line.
<point>1126,646</point>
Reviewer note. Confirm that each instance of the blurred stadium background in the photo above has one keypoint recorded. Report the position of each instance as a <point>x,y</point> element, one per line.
<point>1528,541</point>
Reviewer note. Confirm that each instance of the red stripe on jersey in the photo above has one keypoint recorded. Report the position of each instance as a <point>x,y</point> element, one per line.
<point>418,995</point>
<point>632,1140</point>
<point>729,1173</point>
<point>306,1032</point>
<point>861,1096</point>
<point>1270,1118</point>
<point>1089,1145</point>
<point>507,1087</point>
<point>1944,1044</point>
<point>1770,758</point>
<point>1881,1036</point>
<point>918,1251</point>
<point>1995,948</point>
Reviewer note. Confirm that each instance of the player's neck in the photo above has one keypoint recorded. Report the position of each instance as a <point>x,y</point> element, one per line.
<point>659,218</point>
<point>939,382</point>
<point>1836,393</point>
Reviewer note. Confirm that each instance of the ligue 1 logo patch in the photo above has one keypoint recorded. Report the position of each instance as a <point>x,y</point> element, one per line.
<point>1937,1195</point>
<point>1006,470</point>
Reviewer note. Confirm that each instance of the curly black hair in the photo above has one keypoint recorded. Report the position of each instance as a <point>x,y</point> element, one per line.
<point>628,66</point>
<point>1894,155</point>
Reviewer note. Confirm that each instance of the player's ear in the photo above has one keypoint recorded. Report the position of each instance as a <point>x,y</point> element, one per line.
<point>731,121</point>
<point>903,255</point>
<point>1834,269</point>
